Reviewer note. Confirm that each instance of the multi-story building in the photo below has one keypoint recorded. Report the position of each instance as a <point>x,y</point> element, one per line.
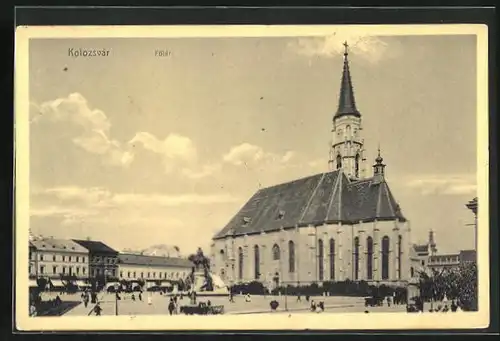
<point>451,261</point>
<point>133,267</point>
<point>425,257</point>
<point>54,259</point>
<point>103,259</point>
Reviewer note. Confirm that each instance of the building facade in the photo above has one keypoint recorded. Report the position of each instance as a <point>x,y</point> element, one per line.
<point>330,226</point>
<point>133,267</point>
<point>425,257</point>
<point>103,260</point>
<point>52,258</point>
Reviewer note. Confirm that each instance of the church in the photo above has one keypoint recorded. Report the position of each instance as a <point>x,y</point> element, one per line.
<point>331,226</point>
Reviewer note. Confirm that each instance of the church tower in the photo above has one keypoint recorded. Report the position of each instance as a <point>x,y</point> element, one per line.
<point>346,150</point>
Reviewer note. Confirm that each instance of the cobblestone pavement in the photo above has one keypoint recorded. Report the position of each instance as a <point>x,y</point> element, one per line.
<point>258,304</point>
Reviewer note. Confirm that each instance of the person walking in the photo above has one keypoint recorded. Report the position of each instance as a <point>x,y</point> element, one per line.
<point>32,309</point>
<point>171,306</point>
<point>85,300</point>
<point>299,299</point>
<point>97,309</point>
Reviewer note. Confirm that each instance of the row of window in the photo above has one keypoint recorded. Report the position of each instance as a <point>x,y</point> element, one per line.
<point>77,259</point>
<point>107,260</point>
<point>347,131</point>
<point>320,254</point>
<point>62,258</point>
<point>99,272</point>
<point>443,260</point>
<point>64,270</point>
<point>276,256</point>
<point>164,275</point>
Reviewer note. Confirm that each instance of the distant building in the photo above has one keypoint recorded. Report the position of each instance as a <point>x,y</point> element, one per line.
<point>152,268</point>
<point>103,259</point>
<point>53,258</point>
<point>32,260</point>
<point>425,257</point>
<point>330,226</point>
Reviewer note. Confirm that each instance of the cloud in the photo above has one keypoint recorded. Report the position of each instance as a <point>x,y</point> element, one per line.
<point>173,148</point>
<point>371,48</point>
<point>288,156</point>
<point>247,154</point>
<point>447,184</point>
<point>173,200</point>
<point>205,171</point>
<point>54,210</point>
<point>77,212</point>
<point>74,197</point>
<point>93,126</point>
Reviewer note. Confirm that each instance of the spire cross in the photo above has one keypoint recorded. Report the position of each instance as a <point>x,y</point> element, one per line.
<point>345,46</point>
<point>379,149</point>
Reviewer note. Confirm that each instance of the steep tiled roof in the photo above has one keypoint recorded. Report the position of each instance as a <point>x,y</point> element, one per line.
<point>53,244</point>
<point>132,259</point>
<point>96,247</point>
<point>322,198</point>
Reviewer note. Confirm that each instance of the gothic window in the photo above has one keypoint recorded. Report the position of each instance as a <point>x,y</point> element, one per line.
<point>276,252</point>
<point>222,255</point>
<point>356,258</point>
<point>356,165</point>
<point>400,253</point>
<point>332,258</point>
<point>369,258</point>
<point>291,256</point>
<point>320,260</point>
<point>412,272</point>
<point>339,161</point>
<point>240,263</point>
<point>348,132</point>
<point>256,262</point>
<point>385,257</point>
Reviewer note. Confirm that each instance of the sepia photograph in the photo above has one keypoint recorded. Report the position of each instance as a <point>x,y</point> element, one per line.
<point>321,177</point>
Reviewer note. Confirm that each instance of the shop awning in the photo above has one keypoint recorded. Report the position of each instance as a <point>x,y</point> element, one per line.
<point>81,283</point>
<point>33,283</point>
<point>113,284</point>
<point>56,283</point>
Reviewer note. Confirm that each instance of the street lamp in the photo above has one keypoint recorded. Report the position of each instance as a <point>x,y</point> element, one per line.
<point>117,286</point>
<point>472,205</point>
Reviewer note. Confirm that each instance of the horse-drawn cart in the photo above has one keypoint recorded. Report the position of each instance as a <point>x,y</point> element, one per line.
<point>374,301</point>
<point>202,309</point>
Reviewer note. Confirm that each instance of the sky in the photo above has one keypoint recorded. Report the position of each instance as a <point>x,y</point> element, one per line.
<point>136,150</point>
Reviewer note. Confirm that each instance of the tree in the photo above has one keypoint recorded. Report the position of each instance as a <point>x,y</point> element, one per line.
<point>456,284</point>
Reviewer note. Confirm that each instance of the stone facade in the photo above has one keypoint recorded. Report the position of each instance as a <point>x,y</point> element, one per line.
<point>300,255</point>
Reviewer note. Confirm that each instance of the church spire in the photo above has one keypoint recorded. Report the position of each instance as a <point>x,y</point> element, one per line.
<point>347,104</point>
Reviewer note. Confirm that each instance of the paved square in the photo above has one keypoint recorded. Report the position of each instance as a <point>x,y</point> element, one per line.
<point>258,304</point>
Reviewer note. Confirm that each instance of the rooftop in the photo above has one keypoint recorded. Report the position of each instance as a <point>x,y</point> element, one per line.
<point>96,247</point>
<point>315,200</point>
<point>54,244</point>
<point>134,259</point>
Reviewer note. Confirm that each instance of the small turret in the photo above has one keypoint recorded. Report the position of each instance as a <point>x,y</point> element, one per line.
<point>379,169</point>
